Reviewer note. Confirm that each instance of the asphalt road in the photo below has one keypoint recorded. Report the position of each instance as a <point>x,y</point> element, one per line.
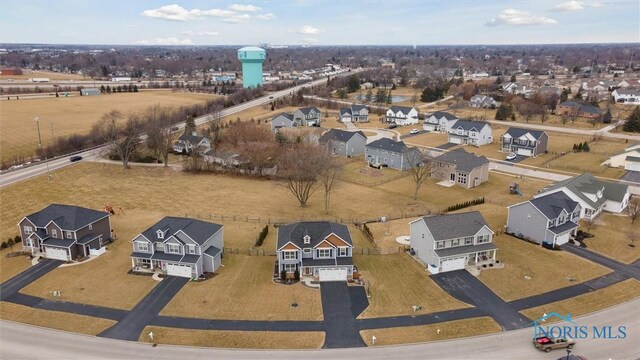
<point>341,328</point>
<point>13,285</point>
<point>52,344</point>
<point>624,269</point>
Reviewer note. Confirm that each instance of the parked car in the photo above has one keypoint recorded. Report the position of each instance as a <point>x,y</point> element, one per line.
<point>392,126</point>
<point>413,131</point>
<point>75,158</point>
<point>512,156</point>
<point>270,97</point>
<point>547,343</point>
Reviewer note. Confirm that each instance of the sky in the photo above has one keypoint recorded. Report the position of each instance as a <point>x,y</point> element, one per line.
<point>328,22</point>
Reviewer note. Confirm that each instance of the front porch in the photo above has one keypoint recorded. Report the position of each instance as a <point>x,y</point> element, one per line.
<point>147,266</point>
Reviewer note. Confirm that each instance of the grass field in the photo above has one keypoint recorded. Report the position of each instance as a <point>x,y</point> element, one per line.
<point>103,281</point>
<point>424,333</point>
<point>396,283</point>
<point>53,319</point>
<point>234,339</point>
<point>360,172</point>
<point>26,75</point>
<point>590,302</point>
<point>611,237</point>
<point>72,115</point>
<point>10,267</point>
<point>243,289</point>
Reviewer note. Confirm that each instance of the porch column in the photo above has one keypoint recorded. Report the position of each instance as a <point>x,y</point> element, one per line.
<point>133,264</point>
<point>476,258</point>
<point>494,254</point>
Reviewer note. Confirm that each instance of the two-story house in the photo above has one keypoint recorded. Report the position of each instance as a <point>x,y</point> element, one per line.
<point>178,247</point>
<point>629,159</point>
<point>282,120</point>
<point>308,116</point>
<point>187,142</point>
<point>440,121</point>
<point>344,143</point>
<point>462,168</point>
<point>453,241</point>
<point>524,142</point>
<point>385,152</point>
<point>354,113</point>
<point>320,249</point>
<point>65,232</point>
<point>626,96</point>
<point>402,115</point>
<point>482,102</point>
<point>592,194</point>
<point>469,132</point>
<point>550,219</point>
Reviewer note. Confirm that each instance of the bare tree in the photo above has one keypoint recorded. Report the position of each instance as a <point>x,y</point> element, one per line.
<point>633,209</point>
<point>422,170</point>
<point>158,128</point>
<point>122,138</point>
<point>328,178</point>
<point>255,142</point>
<point>633,236</point>
<point>590,223</point>
<point>300,167</point>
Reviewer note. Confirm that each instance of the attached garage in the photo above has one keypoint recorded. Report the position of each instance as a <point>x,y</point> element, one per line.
<point>56,253</point>
<point>452,264</point>
<point>632,164</point>
<point>333,274</point>
<point>179,270</point>
<point>563,238</point>
<point>455,140</point>
<point>524,152</point>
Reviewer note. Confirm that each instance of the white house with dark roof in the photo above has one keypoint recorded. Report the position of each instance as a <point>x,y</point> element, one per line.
<point>629,159</point>
<point>385,152</point>
<point>453,241</point>
<point>462,168</point>
<point>626,96</point>
<point>187,142</point>
<point>354,113</point>
<point>402,115</point>
<point>307,116</point>
<point>65,232</point>
<point>592,194</point>
<point>440,121</point>
<point>282,120</point>
<point>524,141</point>
<point>320,249</point>
<point>178,247</point>
<point>550,219</point>
<point>344,143</point>
<point>482,102</point>
<point>467,132</point>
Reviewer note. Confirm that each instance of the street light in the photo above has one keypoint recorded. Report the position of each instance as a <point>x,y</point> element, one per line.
<point>568,353</point>
<point>46,161</point>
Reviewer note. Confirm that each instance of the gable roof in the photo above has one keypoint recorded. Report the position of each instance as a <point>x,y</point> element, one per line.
<point>307,110</point>
<point>403,109</point>
<point>193,139</point>
<point>67,217</point>
<point>463,160</point>
<point>570,104</point>
<point>551,205</point>
<point>340,135</point>
<point>469,124</point>
<point>446,115</point>
<point>284,115</point>
<point>317,231</point>
<point>198,230</point>
<point>389,145</point>
<point>515,132</point>
<point>452,226</point>
<point>588,184</point>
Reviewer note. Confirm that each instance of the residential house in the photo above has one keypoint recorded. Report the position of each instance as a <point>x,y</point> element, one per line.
<point>453,241</point>
<point>524,141</point>
<point>572,108</point>
<point>483,102</point>
<point>628,159</point>
<point>320,249</point>
<point>402,115</point>
<point>354,113</point>
<point>177,246</point>
<point>224,158</point>
<point>439,121</point>
<point>594,85</point>
<point>187,142</point>
<point>626,96</point>
<point>592,194</point>
<point>89,91</point>
<point>65,232</point>
<point>550,219</point>
<point>308,116</point>
<point>550,90</point>
<point>469,132</point>
<point>282,120</point>
<point>464,169</point>
<point>516,89</point>
<point>344,143</point>
<point>394,154</point>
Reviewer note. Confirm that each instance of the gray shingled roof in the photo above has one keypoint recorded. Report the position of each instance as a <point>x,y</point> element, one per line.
<point>389,145</point>
<point>446,115</point>
<point>469,124</point>
<point>307,110</point>
<point>552,205</point>
<point>463,160</point>
<point>193,139</point>
<point>633,158</point>
<point>466,249</point>
<point>453,226</point>
<point>515,132</point>
<point>198,230</point>
<point>68,217</point>
<point>317,230</point>
<point>350,110</point>
<point>570,103</point>
<point>404,109</point>
<point>285,115</point>
<point>587,183</point>
<point>339,135</point>
<point>569,225</point>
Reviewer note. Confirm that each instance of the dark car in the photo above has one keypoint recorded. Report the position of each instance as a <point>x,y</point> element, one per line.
<point>75,158</point>
<point>392,126</point>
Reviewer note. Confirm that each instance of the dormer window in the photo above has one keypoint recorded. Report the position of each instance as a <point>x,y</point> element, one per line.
<point>307,239</point>
<point>160,234</point>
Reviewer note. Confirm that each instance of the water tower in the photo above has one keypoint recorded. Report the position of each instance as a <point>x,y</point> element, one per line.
<point>251,58</point>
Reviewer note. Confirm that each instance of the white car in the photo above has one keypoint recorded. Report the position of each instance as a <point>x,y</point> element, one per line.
<point>413,131</point>
<point>512,156</point>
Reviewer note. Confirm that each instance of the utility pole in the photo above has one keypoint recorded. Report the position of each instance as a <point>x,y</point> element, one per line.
<point>53,142</point>
<point>46,161</point>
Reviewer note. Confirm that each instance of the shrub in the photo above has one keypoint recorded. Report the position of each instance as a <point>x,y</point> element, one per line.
<point>3,245</point>
<point>283,275</point>
<point>17,239</point>
<point>262,236</point>
<point>296,275</point>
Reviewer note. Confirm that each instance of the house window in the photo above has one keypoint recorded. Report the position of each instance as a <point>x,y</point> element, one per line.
<point>455,242</point>
<point>90,226</point>
<point>343,251</point>
<point>423,235</point>
<point>307,251</point>
<point>290,267</point>
<point>468,240</point>
<point>440,245</point>
<point>173,248</point>
<point>54,233</point>
<point>307,239</point>
<point>290,255</point>
<point>69,235</point>
<point>191,249</point>
<point>324,253</point>
<point>462,178</point>
<point>28,230</point>
<point>143,246</point>
<point>483,239</point>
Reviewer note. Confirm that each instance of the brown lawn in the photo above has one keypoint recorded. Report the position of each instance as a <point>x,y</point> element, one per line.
<point>243,289</point>
<point>396,283</point>
<point>360,172</point>
<point>54,319</point>
<point>26,75</point>
<point>10,267</point>
<point>385,234</point>
<point>234,339</point>
<point>611,237</point>
<point>424,333</point>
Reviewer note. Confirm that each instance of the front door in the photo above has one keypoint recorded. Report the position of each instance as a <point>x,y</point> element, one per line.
<point>453,176</point>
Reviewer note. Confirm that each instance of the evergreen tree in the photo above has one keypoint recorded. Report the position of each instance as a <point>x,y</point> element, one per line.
<point>606,118</point>
<point>585,147</point>
<point>354,83</point>
<point>389,98</point>
<point>189,125</point>
<point>102,89</point>
<point>504,112</point>
<point>579,147</point>
<point>633,121</point>
<point>135,88</point>
<point>368,97</point>
<point>108,89</point>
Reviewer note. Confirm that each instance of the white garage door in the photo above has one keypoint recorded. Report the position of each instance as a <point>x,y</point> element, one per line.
<point>339,274</point>
<point>55,253</point>
<point>179,270</point>
<point>453,264</point>
<point>524,152</point>
<point>632,166</point>
<point>455,140</point>
<point>562,239</point>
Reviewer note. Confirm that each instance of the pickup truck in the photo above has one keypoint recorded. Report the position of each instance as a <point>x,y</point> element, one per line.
<point>546,343</point>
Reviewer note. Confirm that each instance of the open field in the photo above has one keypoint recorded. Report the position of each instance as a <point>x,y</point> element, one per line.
<point>10,267</point>
<point>234,339</point>
<point>591,302</point>
<point>26,75</point>
<point>53,319</point>
<point>424,333</point>
<point>396,282</point>
<point>103,281</point>
<point>531,269</point>
<point>72,115</point>
<point>611,237</point>
<point>243,290</point>
<point>393,228</point>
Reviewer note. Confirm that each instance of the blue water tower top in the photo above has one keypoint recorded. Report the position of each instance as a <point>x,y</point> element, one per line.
<point>252,53</point>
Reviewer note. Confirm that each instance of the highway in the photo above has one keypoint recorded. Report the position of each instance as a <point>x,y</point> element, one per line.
<point>18,340</point>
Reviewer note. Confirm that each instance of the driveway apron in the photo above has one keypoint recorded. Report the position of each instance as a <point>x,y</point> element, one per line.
<point>16,283</point>
<point>341,328</point>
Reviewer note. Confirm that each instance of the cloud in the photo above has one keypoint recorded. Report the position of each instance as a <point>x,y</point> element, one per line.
<point>244,8</point>
<point>571,5</point>
<point>200,33</point>
<point>308,30</point>
<point>176,12</point>
<point>268,16</point>
<point>237,19</point>
<point>309,40</point>
<point>596,4</point>
<point>519,18</point>
<point>171,40</point>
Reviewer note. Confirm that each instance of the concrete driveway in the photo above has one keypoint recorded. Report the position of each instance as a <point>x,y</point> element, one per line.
<point>16,283</point>
<point>341,328</point>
